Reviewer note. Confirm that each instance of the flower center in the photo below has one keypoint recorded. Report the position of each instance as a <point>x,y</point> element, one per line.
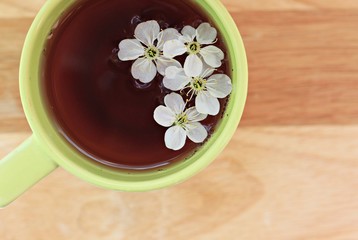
<point>181,119</point>
<point>193,48</point>
<point>152,53</point>
<point>198,84</point>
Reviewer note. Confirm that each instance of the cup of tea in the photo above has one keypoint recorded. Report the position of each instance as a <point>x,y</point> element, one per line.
<point>128,97</point>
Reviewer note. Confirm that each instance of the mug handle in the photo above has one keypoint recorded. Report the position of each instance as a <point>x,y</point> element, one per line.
<point>21,169</point>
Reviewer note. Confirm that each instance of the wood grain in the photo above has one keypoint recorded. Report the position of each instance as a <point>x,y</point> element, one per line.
<point>20,8</point>
<point>13,33</point>
<point>290,172</point>
<point>303,67</point>
<point>276,183</point>
<point>288,5</point>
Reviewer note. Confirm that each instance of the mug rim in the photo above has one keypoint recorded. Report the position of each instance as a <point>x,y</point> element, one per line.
<point>98,174</point>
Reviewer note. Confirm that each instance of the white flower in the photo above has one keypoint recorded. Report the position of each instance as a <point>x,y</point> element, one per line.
<point>192,42</point>
<point>149,58</point>
<point>207,87</point>
<point>182,123</point>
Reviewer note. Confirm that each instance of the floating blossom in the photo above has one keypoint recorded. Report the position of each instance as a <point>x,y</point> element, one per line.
<point>192,42</point>
<point>182,124</point>
<point>206,87</point>
<point>147,49</point>
<point>153,51</point>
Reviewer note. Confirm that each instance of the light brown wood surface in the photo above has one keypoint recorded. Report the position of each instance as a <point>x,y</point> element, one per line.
<point>290,172</point>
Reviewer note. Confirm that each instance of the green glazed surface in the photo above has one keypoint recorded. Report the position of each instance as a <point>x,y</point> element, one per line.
<point>59,150</point>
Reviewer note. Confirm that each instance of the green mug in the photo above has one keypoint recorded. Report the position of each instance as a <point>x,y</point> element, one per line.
<point>45,150</point>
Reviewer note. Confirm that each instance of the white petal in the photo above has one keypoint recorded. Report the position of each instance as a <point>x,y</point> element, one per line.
<point>175,79</point>
<point>175,102</point>
<point>207,104</point>
<point>175,138</point>
<point>193,66</point>
<point>194,115</point>
<point>164,116</point>
<point>144,70</point>
<point>173,48</point>
<point>188,34</point>
<point>163,63</point>
<point>212,56</point>
<point>219,85</point>
<point>196,132</point>
<point>167,35</point>
<point>207,71</point>
<point>172,72</point>
<point>205,34</point>
<point>147,32</point>
<point>130,49</point>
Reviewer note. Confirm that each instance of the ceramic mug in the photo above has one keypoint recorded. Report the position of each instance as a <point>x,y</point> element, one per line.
<point>45,150</point>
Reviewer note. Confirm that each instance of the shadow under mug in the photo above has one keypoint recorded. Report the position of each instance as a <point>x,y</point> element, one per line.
<point>45,150</point>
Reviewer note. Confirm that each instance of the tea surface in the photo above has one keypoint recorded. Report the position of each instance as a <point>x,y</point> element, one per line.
<point>97,105</point>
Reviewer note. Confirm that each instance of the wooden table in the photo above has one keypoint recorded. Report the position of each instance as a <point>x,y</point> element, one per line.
<point>290,172</point>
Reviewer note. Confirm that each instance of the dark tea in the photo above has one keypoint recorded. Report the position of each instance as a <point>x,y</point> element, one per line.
<point>97,104</point>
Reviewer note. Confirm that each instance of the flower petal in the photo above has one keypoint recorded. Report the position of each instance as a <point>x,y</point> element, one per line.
<point>173,48</point>
<point>147,32</point>
<point>212,56</point>
<point>144,70</point>
<point>207,104</point>
<point>219,85</point>
<point>167,35</point>
<point>188,34</point>
<point>206,34</point>
<point>196,132</point>
<point>130,49</point>
<point>193,66</point>
<point>163,63</point>
<point>175,79</point>
<point>207,71</point>
<point>175,102</point>
<point>164,116</point>
<point>194,115</point>
<point>172,72</point>
<point>175,138</point>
